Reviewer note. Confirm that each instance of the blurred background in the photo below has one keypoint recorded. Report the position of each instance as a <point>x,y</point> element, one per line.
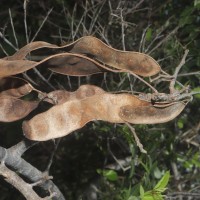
<point>102,161</point>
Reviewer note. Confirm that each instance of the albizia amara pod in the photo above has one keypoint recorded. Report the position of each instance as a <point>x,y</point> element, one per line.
<point>71,115</point>
<point>84,91</point>
<point>64,63</point>
<point>14,86</point>
<point>13,108</point>
<point>90,48</point>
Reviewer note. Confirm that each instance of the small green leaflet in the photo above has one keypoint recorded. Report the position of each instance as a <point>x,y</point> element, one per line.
<point>196,2</point>
<point>111,175</point>
<point>161,185</point>
<point>156,193</point>
<point>197,90</point>
<point>149,34</point>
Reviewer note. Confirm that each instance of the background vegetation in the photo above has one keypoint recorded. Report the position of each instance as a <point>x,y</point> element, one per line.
<point>102,161</point>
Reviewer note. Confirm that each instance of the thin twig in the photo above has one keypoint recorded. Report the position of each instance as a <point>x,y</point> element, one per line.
<point>159,35</point>
<point>13,28</point>
<point>137,140</point>
<point>172,84</point>
<point>125,162</point>
<point>4,50</point>
<point>29,79</point>
<point>96,14</point>
<point>25,20</point>
<point>189,74</point>
<point>122,29</point>
<point>164,39</point>
<point>73,21</point>
<point>120,164</point>
<point>166,77</point>
<point>141,79</point>
<point>184,194</point>
<point>43,78</point>
<point>78,26</point>
<point>42,24</point>
<point>142,41</point>
<point>8,42</point>
<point>57,142</point>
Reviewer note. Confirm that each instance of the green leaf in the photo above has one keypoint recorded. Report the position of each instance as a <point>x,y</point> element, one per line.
<point>148,198</point>
<point>186,16</point>
<point>180,123</point>
<point>156,193</point>
<point>149,34</point>
<point>133,198</point>
<point>111,175</point>
<point>145,167</point>
<point>195,160</point>
<point>197,89</point>
<point>198,61</point>
<point>157,173</point>
<point>141,192</point>
<point>186,20</point>
<point>196,2</point>
<point>187,11</point>
<point>152,195</point>
<point>161,185</point>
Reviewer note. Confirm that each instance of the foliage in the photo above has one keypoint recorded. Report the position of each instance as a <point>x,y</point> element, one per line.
<point>156,192</point>
<point>161,29</point>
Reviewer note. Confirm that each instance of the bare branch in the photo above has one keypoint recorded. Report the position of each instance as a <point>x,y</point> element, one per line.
<point>57,142</point>
<point>141,79</point>
<point>142,41</point>
<point>172,84</point>
<point>189,74</point>
<point>3,50</point>
<point>25,20</point>
<point>12,178</point>
<point>7,41</point>
<point>21,147</point>
<point>137,140</point>
<point>183,194</point>
<point>122,29</point>
<point>13,28</point>
<point>14,160</point>
<point>41,25</point>
<point>120,164</point>
<point>164,39</point>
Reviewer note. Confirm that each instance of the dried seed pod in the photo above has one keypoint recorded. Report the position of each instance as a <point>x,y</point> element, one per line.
<point>15,87</point>
<point>12,109</point>
<point>134,62</point>
<point>151,114</point>
<point>115,108</point>
<point>87,55</point>
<point>61,96</point>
